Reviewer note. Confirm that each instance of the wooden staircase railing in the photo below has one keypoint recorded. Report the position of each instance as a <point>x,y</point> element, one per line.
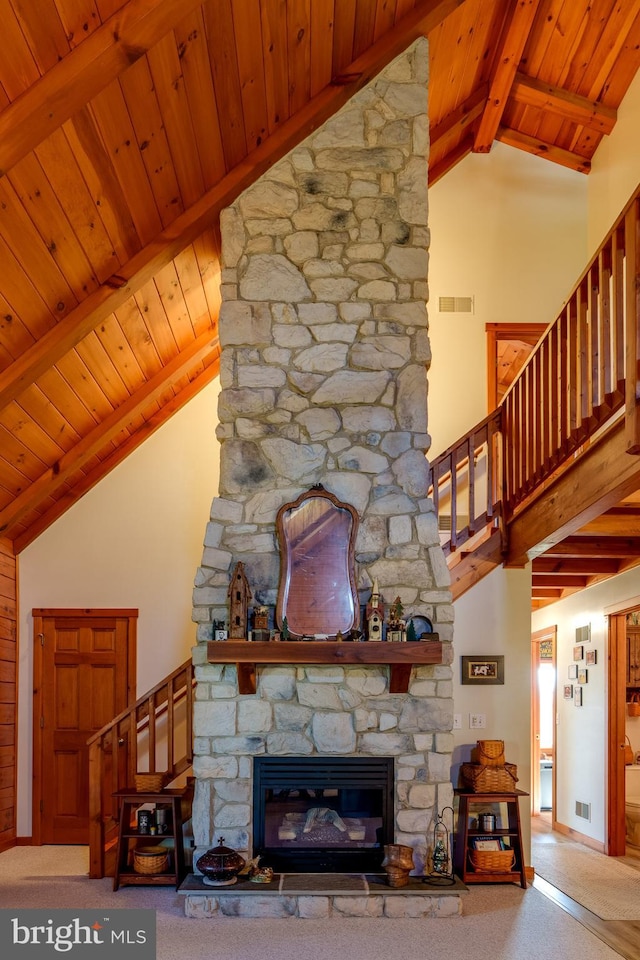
<point>581,377</point>
<point>156,730</point>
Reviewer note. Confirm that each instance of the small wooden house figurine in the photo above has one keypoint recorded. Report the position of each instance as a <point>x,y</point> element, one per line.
<point>239,594</point>
<point>374,614</point>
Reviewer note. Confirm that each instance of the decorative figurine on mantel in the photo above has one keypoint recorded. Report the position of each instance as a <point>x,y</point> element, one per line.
<point>396,630</point>
<point>239,594</point>
<point>374,613</point>
<point>260,623</point>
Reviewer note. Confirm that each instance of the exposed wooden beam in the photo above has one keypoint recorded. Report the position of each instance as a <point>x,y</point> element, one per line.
<point>562,581</point>
<point>594,547</point>
<point>73,460</point>
<point>618,522</point>
<point>507,60</point>
<point>569,106</point>
<point>187,227</point>
<point>476,565</point>
<point>540,149</point>
<point>438,170</point>
<point>597,481</point>
<point>137,437</point>
<point>83,73</point>
<point>587,565</point>
<point>461,118</point>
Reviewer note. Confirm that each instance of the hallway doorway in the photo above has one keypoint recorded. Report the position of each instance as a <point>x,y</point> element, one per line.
<point>543,721</point>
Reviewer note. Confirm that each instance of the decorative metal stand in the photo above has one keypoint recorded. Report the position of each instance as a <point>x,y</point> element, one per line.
<point>441,873</point>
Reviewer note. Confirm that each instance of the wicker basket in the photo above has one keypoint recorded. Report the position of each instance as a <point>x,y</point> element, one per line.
<point>150,860</point>
<point>481,779</point>
<point>492,861</point>
<point>149,782</point>
<point>489,753</point>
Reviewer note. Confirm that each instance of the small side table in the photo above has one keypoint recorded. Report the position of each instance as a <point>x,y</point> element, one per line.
<point>129,837</point>
<point>510,832</point>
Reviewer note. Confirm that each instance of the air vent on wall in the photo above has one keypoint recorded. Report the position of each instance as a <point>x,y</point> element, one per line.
<point>455,304</point>
<point>583,810</point>
<point>583,634</point>
<point>444,522</point>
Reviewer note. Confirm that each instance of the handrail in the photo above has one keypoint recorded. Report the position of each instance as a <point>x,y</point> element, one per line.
<point>574,382</point>
<point>465,485</point>
<point>114,752</point>
<point>579,379</point>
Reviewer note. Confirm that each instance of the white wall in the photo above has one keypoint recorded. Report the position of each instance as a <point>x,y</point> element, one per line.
<point>615,172</point>
<point>495,618</point>
<point>582,731</point>
<point>510,230</point>
<point>134,540</point>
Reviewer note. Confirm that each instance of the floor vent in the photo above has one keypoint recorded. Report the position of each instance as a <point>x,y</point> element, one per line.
<point>583,810</point>
<point>455,304</point>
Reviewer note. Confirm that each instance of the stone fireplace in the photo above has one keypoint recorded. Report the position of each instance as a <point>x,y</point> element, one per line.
<point>323,330</point>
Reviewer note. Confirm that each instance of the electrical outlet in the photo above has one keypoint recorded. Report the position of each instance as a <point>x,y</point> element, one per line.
<point>457,721</point>
<point>477,721</point>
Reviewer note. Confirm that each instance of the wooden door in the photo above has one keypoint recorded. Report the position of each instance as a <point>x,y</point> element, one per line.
<point>543,714</point>
<point>84,675</point>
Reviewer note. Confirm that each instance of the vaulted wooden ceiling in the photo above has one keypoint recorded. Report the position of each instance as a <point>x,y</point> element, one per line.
<point>126,127</point>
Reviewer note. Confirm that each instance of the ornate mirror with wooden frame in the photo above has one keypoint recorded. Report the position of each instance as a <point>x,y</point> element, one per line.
<point>317,592</point>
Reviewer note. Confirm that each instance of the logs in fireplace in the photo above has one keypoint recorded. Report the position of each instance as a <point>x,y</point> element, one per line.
<point>322,814</point>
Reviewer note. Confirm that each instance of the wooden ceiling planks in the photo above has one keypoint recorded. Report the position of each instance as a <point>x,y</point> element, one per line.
<point>158,115</point>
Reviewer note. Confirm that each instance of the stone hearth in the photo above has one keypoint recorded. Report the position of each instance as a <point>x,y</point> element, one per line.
<point>320,896</point>
<point>323,329</point>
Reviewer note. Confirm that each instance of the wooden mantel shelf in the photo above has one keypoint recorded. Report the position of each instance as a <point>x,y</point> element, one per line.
<point>400,656</point>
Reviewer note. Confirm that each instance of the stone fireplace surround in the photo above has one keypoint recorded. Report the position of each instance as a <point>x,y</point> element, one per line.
<point>323,330</point>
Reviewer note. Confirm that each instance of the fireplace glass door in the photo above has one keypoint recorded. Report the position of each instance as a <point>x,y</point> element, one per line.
<point>320,814</point>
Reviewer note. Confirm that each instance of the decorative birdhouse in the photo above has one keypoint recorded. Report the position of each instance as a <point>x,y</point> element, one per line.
<point>239,594</point>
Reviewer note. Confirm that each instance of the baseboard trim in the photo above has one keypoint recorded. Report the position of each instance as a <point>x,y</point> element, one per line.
<point>582,838</point>
<point>24,841</point>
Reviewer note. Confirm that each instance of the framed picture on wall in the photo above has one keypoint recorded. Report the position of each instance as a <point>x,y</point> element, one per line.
<point>572,673</point>
<point>591,657</point>
<point>578,652</point>
<point>568,691</point>
<point>577,696</point>
<point>482,669</point>
<point>583,675</point>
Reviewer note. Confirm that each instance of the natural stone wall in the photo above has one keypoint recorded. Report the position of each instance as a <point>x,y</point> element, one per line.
<point>323,329</point>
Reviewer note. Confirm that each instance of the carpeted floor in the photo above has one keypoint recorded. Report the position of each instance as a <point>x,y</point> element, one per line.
<point>605,886</point>
<point>500,922</point>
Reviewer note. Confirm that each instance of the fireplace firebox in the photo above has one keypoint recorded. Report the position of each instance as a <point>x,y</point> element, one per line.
<point>322,814</point>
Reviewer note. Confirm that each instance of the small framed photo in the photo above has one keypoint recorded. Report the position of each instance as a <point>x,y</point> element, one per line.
<point>583,675</point>
<point>568,691</point>
<point>577,696</point>
<point>591,657</point>
<point>487,843</point>
<point>578,652</point>
<point>482,670</point>
<point>572,673</point>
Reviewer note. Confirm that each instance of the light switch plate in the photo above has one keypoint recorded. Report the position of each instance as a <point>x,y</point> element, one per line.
<point>477,721</point>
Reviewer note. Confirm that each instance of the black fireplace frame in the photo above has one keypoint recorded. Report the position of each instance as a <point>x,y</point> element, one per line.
<point>316,773</point>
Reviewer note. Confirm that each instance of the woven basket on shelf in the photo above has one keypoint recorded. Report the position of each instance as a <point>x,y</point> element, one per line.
<point>149,782</point>
<point>492,861</point>
<point>481,779</point>
<point>150,860</point>
<point>489,753</point>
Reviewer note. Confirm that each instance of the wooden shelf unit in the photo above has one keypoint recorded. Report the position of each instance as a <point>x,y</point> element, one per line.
<point>511,832</point>
<point>129,837</point>
<point>400,656</point>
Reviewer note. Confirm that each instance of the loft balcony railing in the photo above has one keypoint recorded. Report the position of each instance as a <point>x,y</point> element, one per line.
<point>580,379</point>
